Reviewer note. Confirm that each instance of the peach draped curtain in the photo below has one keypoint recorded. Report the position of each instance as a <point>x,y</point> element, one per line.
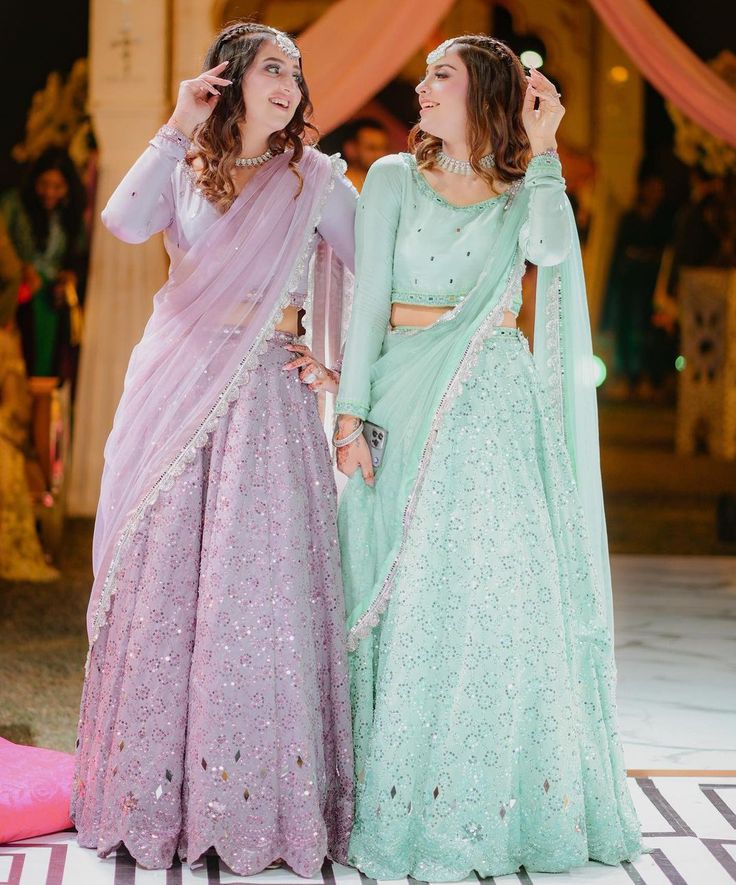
<point>358,46</point>
<point>670,66</point>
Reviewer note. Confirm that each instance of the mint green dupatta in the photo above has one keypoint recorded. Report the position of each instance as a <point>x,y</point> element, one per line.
<point>412,384</point>
<point>563,353</point>
<point>416,379</point>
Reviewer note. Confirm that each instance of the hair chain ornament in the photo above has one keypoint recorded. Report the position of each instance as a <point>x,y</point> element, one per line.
<point>283,41</point>
<point>250,162</point>
<point>498,48</point>
<point>462,167</point>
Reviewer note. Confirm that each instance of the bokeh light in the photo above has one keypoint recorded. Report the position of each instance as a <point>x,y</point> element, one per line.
<point>618,74</point>
<point>600,372</point>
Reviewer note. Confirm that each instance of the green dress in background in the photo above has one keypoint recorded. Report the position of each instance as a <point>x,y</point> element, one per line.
<point>41,319</point>
<point>476,570</point>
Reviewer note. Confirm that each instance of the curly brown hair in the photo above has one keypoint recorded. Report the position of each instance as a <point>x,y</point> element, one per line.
<point>496,88</point>
<point>216,142</point>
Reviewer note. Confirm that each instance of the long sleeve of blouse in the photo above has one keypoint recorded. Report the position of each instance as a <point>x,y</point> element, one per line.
<point>376,222</point>
<point>143,203</point>
<point>545,236</point>
<point>337,224</point>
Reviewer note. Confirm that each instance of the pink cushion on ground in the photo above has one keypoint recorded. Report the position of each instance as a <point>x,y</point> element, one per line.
<point>35,788</point>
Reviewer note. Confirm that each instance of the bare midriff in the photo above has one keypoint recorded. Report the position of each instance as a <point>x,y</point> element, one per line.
<point>419,316</point>
<point>290,321</point>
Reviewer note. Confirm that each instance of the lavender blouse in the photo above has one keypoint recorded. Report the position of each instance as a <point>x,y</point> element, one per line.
<point>159,193</point>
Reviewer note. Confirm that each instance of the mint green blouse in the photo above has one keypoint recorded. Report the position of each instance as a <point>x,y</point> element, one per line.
<point>415,247</point>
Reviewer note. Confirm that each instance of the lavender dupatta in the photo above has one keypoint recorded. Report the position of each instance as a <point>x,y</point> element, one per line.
<point>210,320</point>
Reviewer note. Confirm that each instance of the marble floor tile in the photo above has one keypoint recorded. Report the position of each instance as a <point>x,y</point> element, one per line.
<point>675,626</point>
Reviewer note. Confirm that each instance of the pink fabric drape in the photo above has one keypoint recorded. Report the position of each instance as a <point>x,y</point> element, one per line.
<point>670,66</point>
<point>357,47</point>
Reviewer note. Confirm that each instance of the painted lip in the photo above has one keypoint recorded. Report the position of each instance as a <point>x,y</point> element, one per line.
<point>428,106</point>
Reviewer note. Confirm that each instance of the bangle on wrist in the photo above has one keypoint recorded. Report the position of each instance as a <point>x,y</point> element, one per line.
<point>341,441</point>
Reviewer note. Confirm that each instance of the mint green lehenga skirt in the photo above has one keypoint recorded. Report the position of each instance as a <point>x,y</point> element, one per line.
<point>483,702</point>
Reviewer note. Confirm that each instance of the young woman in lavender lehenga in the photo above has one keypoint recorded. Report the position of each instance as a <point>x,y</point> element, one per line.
<point>474,558</point>
<point>215,711</point>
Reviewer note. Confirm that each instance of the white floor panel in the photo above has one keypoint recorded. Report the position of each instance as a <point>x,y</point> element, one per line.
<point>675,622</point>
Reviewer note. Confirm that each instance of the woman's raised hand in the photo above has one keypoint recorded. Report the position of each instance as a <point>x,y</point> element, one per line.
<point>197,99</point>
<point>541,125</point>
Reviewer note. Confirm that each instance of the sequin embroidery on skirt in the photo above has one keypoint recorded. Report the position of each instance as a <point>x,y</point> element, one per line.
<point>216,709</point>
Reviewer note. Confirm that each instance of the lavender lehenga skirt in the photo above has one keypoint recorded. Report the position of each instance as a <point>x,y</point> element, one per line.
<point>216,710</point>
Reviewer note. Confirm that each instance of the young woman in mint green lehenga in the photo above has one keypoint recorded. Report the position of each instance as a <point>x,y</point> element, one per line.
<point>475,559</point>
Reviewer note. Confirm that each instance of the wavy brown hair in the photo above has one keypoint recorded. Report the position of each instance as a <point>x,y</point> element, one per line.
<point>496,88</point>
<point>216,142</point>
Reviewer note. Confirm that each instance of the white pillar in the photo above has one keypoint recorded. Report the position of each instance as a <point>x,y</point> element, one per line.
<point>193,30</point>
<point>618,111</point>
<point>129,98</point>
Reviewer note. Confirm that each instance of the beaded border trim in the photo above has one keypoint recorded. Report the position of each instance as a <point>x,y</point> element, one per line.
<point>172,134</point>
<point>221,406</point>
<point>552,326</point>
<point>469,360</point>
<point>549,155</point>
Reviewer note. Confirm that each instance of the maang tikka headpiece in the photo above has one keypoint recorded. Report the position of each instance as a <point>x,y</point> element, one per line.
<point>436,54</point>
<point>286,44</point>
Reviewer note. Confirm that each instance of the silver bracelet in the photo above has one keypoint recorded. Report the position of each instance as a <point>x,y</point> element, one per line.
<point>339,443</point>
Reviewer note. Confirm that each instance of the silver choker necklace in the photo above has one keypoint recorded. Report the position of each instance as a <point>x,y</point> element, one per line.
<point>462,167</point>
<point>254,161</point>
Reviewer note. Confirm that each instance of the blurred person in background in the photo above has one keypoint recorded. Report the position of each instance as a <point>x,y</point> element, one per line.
<point>21,556</point>
<point>700,235</point>
<point>643,234</point>
<point>45,222</point>
<point>366,140</point>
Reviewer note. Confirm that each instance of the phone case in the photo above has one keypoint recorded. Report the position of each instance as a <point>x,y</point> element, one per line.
<point>376,437</point>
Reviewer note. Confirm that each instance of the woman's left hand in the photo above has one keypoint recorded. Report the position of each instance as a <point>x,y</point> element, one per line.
<point>541,125</point>
<point>312,373</point>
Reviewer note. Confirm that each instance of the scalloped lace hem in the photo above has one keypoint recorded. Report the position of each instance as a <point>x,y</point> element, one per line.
<point>434,872</point>
<point>300,860</point>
